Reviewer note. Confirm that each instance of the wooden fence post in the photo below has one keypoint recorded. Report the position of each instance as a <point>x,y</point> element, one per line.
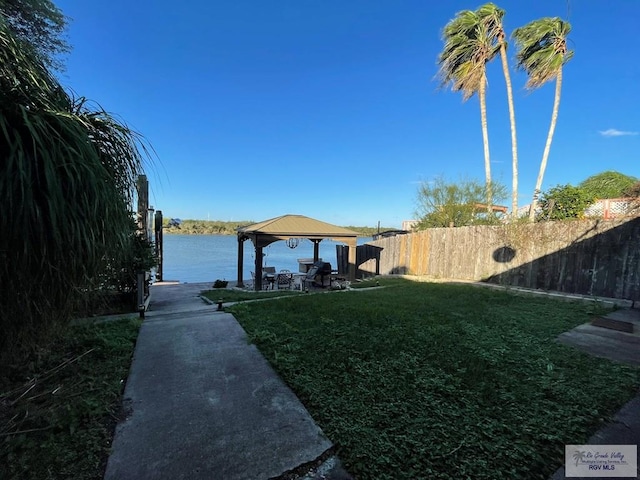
<point>158,243</point>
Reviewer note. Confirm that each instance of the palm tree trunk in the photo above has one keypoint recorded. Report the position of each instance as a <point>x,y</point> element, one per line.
<point>514,140</point>
<point>547,147</point>
<point>485,140</point>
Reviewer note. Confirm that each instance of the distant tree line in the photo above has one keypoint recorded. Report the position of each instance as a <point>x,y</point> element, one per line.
<point>219,227</point>
<point>369,231</point>
<point>202,227</point>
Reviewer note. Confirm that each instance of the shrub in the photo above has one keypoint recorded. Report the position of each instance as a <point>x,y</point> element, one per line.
<point>563,202</point>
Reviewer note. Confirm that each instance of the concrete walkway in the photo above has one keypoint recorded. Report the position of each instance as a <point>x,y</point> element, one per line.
<point>619,347</point>
<point>202,403</point>
<point>615,345</point>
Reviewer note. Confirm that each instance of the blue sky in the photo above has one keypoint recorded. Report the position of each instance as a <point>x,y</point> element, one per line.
<point>330,109</point>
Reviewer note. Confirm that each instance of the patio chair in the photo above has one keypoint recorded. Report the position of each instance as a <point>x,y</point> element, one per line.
<point>284,279</point>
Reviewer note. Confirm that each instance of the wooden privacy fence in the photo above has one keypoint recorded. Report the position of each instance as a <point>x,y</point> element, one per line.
<point>592,257</point>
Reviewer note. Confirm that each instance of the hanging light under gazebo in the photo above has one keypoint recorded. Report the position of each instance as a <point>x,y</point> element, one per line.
<point>292,242</point>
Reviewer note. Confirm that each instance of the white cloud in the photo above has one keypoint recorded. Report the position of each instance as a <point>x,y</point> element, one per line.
<point>612,132</point>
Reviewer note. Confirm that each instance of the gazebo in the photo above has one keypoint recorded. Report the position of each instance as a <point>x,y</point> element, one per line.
<point>286,227</point>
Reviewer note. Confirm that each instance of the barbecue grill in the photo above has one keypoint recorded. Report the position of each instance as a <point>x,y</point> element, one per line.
<point>319,274</point>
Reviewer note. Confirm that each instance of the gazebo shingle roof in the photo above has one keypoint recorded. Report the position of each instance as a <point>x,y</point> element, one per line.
<point>296,225</point>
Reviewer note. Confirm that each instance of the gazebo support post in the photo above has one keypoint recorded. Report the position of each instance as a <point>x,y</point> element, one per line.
<point>316,250</point>
<point>352,259</point>
<point>257,281</point>
<point>241,241</point>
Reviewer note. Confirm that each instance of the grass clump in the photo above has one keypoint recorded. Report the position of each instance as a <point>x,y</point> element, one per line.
<point>59,409</point>
<point>440,381</point>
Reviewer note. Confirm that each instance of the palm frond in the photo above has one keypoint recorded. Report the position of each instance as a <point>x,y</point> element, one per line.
<point>491,17</point>
<point>542,49</point>
<point>470,41</point>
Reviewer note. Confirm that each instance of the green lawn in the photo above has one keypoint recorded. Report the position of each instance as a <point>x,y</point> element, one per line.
<point>421,380</point>
<point>58,410</point>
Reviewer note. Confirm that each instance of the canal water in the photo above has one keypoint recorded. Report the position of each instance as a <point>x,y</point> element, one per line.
<point>206,258</point>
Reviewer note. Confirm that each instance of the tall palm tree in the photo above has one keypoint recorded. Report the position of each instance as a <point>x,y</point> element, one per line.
<point>462,64</point>
<point>492,16</point>
<point>542,52</point>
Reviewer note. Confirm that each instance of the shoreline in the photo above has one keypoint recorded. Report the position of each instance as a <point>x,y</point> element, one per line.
<point>173,232</point>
